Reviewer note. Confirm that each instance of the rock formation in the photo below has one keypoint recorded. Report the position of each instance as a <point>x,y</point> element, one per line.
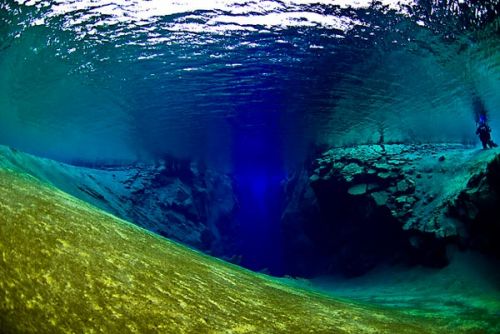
<point>367,204</point>
<point>174,198</point>
<point>351,210</point>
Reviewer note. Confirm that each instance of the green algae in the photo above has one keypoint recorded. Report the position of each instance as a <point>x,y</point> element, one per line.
<point>66,266</point>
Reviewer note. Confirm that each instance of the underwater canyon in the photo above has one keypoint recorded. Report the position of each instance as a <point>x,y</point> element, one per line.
<point>232,166</point>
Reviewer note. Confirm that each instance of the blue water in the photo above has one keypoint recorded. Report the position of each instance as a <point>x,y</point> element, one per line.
<point>154,77</point>
<point>259,170</point>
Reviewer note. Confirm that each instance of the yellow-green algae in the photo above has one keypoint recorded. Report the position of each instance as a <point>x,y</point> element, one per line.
<point>68,267</point>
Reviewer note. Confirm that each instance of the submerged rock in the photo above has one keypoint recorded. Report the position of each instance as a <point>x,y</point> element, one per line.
<point>350,171</point>
<point>379,207</point>
<point>405,186</point>
<point>477,208</point>
<point>380,197</point>
<point>359,189</point>
<point>174,198</point>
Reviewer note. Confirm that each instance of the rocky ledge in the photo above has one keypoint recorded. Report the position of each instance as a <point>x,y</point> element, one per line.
<point>366,204</point>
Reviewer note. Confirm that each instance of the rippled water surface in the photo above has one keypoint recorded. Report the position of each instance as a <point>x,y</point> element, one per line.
<point>224,78</point>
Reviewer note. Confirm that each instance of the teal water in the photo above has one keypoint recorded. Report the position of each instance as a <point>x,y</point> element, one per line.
<point>134,80</point>
<point>466,290</point>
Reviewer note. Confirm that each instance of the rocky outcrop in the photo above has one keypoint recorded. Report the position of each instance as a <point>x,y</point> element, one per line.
<point>179,200</point>
<point>379,203</point>
<point>174,198</point>
<point>303,255</point>
<point>477,209</point>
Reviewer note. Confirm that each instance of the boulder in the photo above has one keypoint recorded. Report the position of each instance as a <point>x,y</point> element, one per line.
<point>351,170</point>
<point>358,189</point>
<point>380,198</point>
<point>405,186</point>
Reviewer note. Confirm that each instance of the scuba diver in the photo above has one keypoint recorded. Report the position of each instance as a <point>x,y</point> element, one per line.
<point>484,133</point>
<point>483,129</point>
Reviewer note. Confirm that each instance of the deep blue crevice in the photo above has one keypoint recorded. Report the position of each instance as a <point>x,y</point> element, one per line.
<point>259,171</point>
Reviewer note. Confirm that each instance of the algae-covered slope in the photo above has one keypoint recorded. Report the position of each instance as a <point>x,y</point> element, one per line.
<point>68,267</point>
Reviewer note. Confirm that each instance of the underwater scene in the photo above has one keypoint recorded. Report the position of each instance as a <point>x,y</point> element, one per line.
<point>249,166</point>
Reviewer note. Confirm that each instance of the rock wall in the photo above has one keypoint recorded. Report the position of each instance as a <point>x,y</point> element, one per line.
<point>179,200</point>
<point>477,208</point>
<point>371,204</point>
<point>174,198</point>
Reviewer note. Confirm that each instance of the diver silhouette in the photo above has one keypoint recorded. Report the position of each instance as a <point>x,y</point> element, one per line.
<point>484,133</point>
